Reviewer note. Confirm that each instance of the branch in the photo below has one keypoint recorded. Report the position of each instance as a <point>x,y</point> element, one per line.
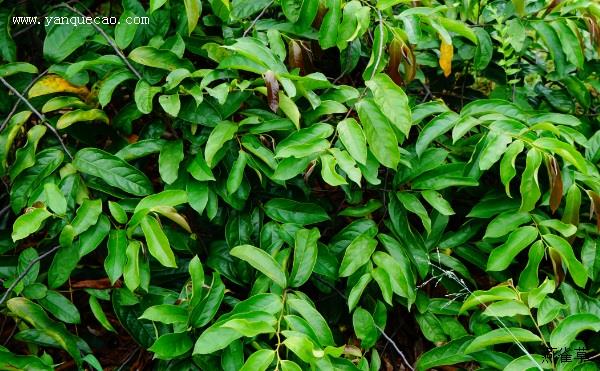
<point>109,39</point>
<point>37,113</point>
<point>16,105</point>
<point>24,273</point>
<point>389,339</point>
<point>259,16</point>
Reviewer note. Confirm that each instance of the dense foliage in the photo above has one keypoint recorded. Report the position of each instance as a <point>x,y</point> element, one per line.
<point>300,184</point>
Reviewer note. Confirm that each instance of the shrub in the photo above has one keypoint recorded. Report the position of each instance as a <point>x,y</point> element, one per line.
<point>294,184</point>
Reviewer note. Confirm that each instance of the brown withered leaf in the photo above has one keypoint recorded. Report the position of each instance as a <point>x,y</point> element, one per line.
<point>559,273</point>
<point>410,64</point>
<point>395,52</point>
<point>556,184</point>
<point>595,207</point>
<point>272,90</point>
<point>295,57</point>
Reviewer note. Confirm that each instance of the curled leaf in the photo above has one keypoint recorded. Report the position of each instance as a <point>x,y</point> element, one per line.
<point>446,54</point>
<point>272,90</point>
<point>556,184</point>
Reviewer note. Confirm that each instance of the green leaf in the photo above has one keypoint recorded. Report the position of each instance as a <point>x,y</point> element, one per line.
<point>412,204</point>
<point>99,314</point>
<point>502,336</point>
<point>116,258</point>
<point>401,276</point>
<point>131,271</point>
<point>158,244</point>
<point>328,32</point>
<point>29,223</point>
<point>567,230</point>
<point>450,353</point>
<point>569,42</point>
<point>193,9</point>
<point>144,95</point>
<point>290,109</point>
<point>8,134</point>
<point>35,315</point>
<point>437,201</point>
<point>507,164</point>
<point>568,152</point>
<point>86,216</point>
<point>484,49</point>
<point>291,9</point>
<point>214,339</point>
<point>305,256</point>
<point>262,261</point>
<point>236,176</point>
<point>358,289</point>
<point>80,115</point>
<point>506,308</point>
<point>125,31</point>
<point>314,319</point>
<point>364,328</point>
<point>170,103</point>
<point>568,329</point>
<point>506,222</point>
<point>8,50</point>
<point>108,85</point>
<point>63,39</point>
<point>357,254</point>
<point>204,311</point>
<point>564,249</point>
<point>530,187</point>
<point>353,138</point>
<point>494,147</point>
<point>330,176</point>
<point>163,59</point>
<point>436,127</point>
<point>166,313</point>
<point>60,307</point>
<point>259,360</point>
<point>169,159</point>
<point>25,156</point>
<point>112,170</point>
<point>502,256</point>
<point>379,133</point>
<point>288,211</point>
<point>170,346</point>
<point>550,38</point>
<point>55,198</point>
<point>221,134</point>
<point>242,9</point>
<point>392,101</point>
<point>590,256</point>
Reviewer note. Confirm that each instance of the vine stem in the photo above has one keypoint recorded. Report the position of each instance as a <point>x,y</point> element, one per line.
<point>24,273</point>
<point>16,105</point>
<point>37,113</point>
<point>259,16</point>
<point>278,333</point>
<point>108,39</point>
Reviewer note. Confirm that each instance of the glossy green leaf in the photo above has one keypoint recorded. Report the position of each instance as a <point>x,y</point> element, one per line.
<point>262,261</point>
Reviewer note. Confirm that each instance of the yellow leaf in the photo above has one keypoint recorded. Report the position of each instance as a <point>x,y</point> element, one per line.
<point>446,54</point>
<point>55,84</point>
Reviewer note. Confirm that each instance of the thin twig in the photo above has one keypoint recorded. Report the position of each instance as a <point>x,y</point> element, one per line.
<point>24,273</point>
<point>16,105</point>
<point>259,16</point>
<point>391,341</point>
<point>37,113</point>
<point>10,335</point>
<point>4,209</point>
<point>108,39</point>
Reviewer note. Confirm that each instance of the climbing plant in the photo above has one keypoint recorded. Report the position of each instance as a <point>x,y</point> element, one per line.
<point>300,184</point>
